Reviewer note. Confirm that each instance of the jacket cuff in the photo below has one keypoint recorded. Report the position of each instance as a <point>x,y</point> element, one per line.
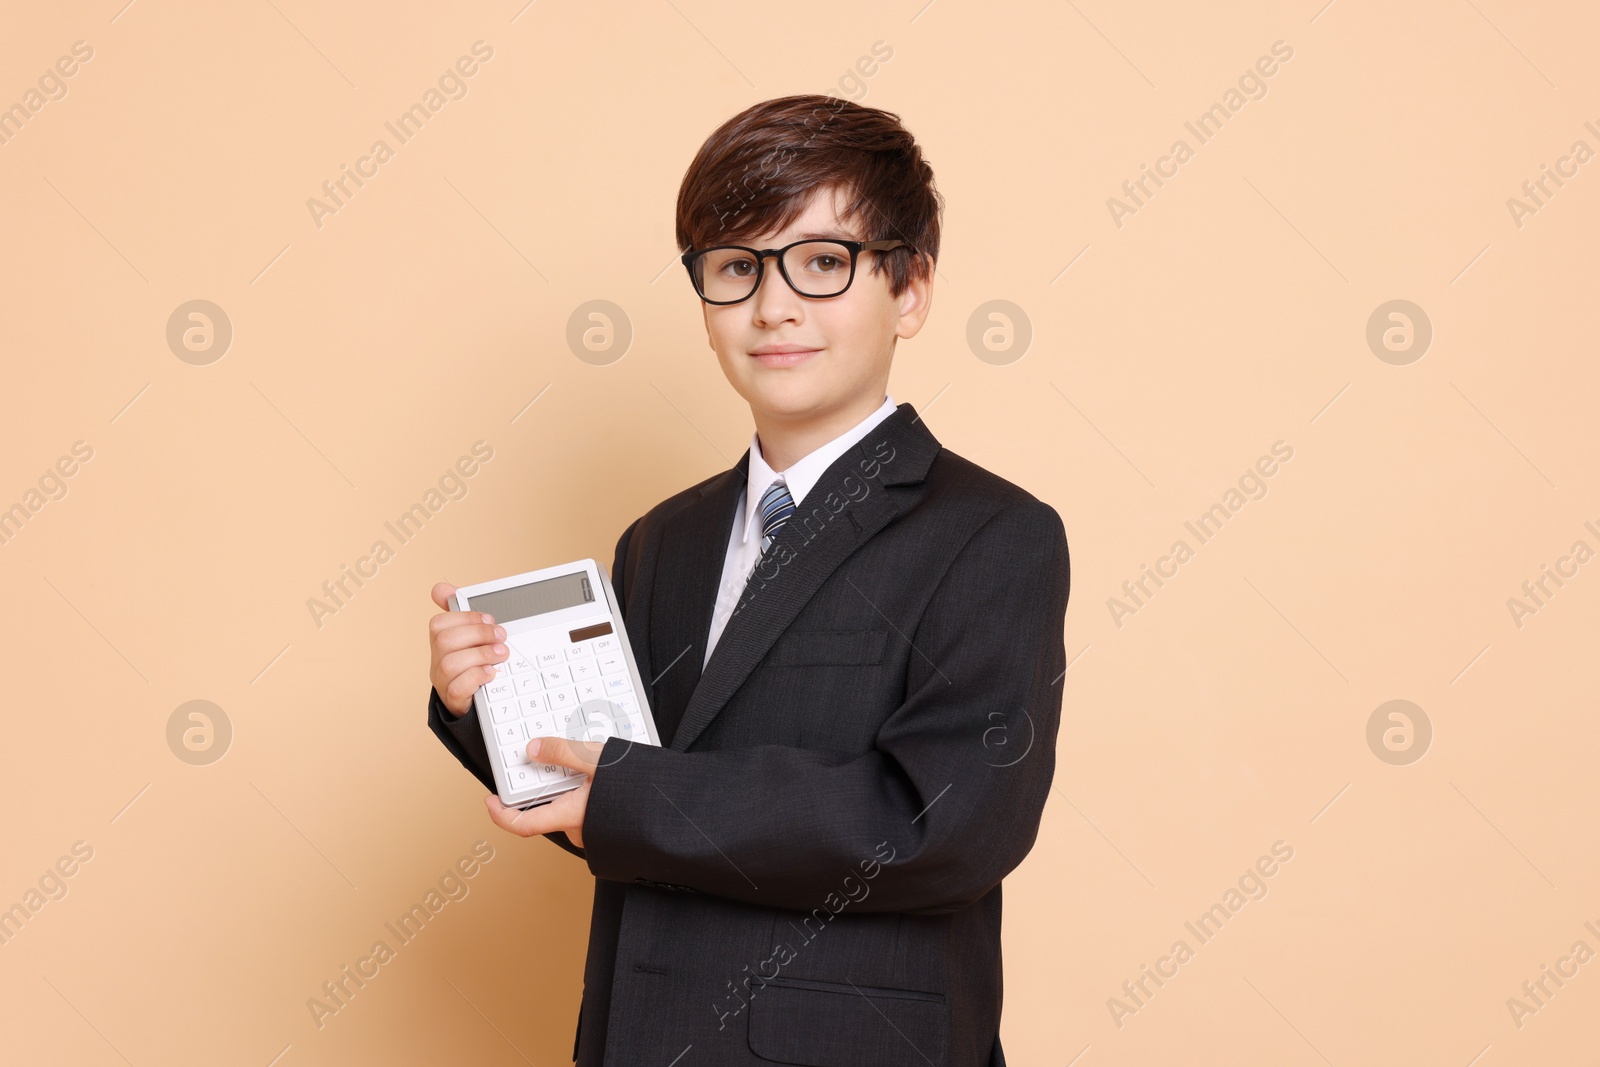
<point>616,838</point>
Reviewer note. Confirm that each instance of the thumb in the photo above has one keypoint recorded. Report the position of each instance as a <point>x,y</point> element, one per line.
<point>564,752</point>
<point>442,592</point>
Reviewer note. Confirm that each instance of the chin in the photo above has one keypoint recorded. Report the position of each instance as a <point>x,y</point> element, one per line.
<point>793,399</point>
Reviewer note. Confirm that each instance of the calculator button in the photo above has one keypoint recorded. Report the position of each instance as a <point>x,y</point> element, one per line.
<point>617,685</point>
<point>596,734</point>
<point>600,727</point>
<point>605,645</point>
<point>541,726</point>
<point>612,664</point>
<point>514,756</point>
<point>528,683</point>
<point>523,777</point>
<point>499,690</point>
<point>590,691</point>
<point>563,699</point>
<point>504,712</point>
<point>584,669</point>
<point>551,658</point>
<point>532,704</point>
<point>599,710</point>
<point>550,772</point>
<point>569,723</point>
<point>580,650</point>
<point>511,733</point>
<point>519,663</point>
<point>554,676</point>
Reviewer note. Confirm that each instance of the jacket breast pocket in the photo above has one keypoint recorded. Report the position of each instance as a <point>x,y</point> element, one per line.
<point>838,1024</point>
<point>812,648</point>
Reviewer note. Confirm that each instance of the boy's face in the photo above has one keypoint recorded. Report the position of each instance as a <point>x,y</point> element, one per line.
<point>848,339</point>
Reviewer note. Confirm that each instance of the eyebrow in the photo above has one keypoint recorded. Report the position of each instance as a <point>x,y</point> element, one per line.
<point>815,235</point>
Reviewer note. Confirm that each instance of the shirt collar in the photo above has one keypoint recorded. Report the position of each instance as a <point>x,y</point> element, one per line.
<point>803,473</point>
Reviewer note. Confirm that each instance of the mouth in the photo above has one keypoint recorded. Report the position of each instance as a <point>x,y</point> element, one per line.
<point>782,355</point>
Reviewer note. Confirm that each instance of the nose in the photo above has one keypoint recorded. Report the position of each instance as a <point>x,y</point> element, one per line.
<point>774,300</point>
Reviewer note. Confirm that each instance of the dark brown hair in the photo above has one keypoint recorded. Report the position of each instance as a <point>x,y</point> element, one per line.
<point>757,171</point>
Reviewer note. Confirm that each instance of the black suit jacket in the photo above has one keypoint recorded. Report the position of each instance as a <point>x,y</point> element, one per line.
<point>809,870</point>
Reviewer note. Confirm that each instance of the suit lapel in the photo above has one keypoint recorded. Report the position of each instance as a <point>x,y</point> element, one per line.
<point>694,544</point>
<point>809,548</point>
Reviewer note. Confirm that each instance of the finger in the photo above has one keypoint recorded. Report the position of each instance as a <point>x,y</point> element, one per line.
<point>523,823</point>
<point>547,818</point>
<point>564,752</point>
<point>477,655</point>
<point>458,691</point>
<point>466,655</point>
<point>450,630</point>
<point>442,592</point>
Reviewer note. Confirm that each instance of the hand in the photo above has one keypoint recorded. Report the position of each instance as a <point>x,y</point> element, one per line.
<point>566,811</point>
<point>464,647</point>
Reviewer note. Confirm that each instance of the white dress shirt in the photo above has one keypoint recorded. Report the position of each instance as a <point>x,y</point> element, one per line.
<point>744,541</point>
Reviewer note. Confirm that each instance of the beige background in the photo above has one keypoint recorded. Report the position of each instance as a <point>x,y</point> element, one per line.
<point>1227,314</point>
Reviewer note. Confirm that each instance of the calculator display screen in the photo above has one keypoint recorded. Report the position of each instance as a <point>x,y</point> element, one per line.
<point>536,598</point>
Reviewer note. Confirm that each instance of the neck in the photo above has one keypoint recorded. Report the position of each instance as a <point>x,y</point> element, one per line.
<point>785,440</point>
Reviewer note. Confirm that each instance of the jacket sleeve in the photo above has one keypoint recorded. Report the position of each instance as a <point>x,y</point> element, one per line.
<point>946,803</point>
<point>464,736</point>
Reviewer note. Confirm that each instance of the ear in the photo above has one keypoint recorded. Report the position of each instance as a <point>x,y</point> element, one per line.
<point>914,304</point>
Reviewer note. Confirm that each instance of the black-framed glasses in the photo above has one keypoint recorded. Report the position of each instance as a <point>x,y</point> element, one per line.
<point>729,274</point>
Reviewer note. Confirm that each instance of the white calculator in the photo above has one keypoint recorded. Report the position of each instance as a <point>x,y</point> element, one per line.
<point>570,673</point>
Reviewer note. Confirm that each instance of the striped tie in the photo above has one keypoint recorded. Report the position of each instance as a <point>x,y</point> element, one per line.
<point>776,507</point>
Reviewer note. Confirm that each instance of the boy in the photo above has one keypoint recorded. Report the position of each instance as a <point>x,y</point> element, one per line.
<point>853,646</point>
